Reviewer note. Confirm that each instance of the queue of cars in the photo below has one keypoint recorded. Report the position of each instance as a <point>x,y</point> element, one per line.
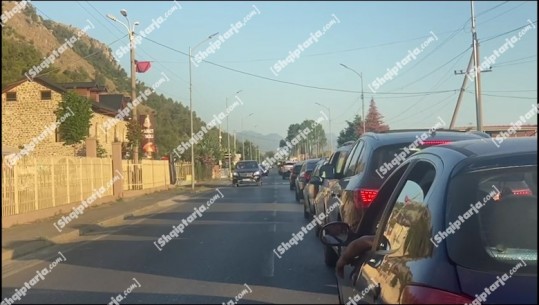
<point>409,194</point>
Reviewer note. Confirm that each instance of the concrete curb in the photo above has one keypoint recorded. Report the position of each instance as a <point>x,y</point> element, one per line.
<point>39,244</point>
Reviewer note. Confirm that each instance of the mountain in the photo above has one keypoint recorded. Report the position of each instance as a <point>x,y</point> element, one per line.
<point>268,142</point>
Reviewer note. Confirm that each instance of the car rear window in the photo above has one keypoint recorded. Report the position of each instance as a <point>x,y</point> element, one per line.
<point>289,163</point>
<point>311,165</point>
<point>497,210</point>
<point>297,168</point>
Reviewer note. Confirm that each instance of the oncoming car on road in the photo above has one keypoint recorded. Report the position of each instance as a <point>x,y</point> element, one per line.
<point>247,172</point>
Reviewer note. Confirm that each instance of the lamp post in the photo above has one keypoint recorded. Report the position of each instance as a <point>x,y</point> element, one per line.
<point>228,135</point>
<point>330,136</point>
<point>243,140</point>
<point>251,149</point>
<point>191,109</point>
<point>362,100</point>
<point>131,33</point>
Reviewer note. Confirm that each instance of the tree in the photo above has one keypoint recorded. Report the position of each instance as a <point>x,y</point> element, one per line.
<point>374,121</point>
<point>75,113</point>
<point>350,133</point>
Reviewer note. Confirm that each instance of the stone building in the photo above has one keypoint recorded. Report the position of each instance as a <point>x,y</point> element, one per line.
<point>28,112</point>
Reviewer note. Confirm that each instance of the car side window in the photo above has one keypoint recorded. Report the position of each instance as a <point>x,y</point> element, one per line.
<point>353,160</point>
<point>407,229</point>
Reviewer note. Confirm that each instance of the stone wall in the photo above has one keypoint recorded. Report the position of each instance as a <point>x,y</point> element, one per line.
<point>30,116</point>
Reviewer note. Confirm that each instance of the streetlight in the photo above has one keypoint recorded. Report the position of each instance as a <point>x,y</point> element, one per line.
<point>243,140</point>
<point>251,144</point>
<point>330,136</point>
<point>131,33</point>
<point>228,134</point>
<point>191,109</point>
<point>362,100</point>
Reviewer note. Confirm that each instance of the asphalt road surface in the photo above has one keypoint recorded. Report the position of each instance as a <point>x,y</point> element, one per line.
<point>224,255</point>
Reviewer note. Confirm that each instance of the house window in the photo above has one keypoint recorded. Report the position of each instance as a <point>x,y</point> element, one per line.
<point>11,96</point>
<point>46,95</point>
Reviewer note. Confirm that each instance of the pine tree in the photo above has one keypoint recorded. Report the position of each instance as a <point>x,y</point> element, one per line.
<point>374,121</point>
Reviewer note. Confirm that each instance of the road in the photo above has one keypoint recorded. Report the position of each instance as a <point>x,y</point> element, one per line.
<point>225,253</point>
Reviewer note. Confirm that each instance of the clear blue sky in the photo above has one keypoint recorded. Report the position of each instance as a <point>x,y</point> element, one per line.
<point>370,38</point>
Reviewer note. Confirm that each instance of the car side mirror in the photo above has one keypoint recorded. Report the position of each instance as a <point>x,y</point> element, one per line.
<point>335,234</point>
<point>327,171</point>
<point>315,180</point>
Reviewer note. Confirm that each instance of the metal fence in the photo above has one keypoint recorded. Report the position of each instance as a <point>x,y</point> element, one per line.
<point>39,183</point>
<point>145,175</point>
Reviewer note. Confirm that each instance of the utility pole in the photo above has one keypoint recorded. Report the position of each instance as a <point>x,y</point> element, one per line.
<point>477,72</point>
<point>474,59</point>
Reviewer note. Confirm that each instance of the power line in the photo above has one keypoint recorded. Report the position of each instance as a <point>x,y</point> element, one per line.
<point>346,50</point>
<point>492,8</point>
<point>505,33</point>
<point>287,82</point>
<point>503,13</point>
<point>507,96</point>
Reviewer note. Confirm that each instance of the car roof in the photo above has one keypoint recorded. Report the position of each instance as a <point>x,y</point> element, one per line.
<point>346,147</point>
<point>396,137</point>
<point>490,147</point>
<point>244,161</point>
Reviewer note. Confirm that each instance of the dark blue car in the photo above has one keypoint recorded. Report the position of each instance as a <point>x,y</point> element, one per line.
<point>454,223</point>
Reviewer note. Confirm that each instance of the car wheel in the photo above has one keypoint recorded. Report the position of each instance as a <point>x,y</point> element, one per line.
<point>237,185</point>
<point>297,195</point>
<point>330,257</point>
<point>306,213</point>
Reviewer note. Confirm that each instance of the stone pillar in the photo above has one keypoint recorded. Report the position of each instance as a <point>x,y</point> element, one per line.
<point>118,187</point>
<point>91,147</point>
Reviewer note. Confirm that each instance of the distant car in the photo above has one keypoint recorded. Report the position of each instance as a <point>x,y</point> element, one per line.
<point>294,175</point>
<point>304,176</point>
<point>325,184</point>
<point>311,190</point>
<point>421,256</point>
<point>247,171</point>
<point>373,157</point>
<point>287,168</point>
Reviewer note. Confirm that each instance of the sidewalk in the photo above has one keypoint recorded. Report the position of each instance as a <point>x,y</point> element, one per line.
<point>22,239</point>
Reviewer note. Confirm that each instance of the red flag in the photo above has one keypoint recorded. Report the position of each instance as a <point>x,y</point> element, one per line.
<point>142,66</point>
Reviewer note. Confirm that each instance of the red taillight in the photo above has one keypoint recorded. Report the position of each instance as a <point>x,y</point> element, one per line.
<point>522,192</point>
<point>364,197</point>
<point>435,142</point>
<point>425,295</point>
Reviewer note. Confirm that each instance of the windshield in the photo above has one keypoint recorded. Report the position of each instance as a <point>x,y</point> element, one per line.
<point>501,228</point>
<point>247,165</point>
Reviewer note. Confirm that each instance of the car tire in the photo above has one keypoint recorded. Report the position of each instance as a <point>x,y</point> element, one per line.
<point>297,196</point>
<point>330,257</point>
<point>306,215</point>
<point>237,185</point>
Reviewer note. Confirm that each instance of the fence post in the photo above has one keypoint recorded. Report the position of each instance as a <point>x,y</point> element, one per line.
<point>67,181</point>
<point>16,188</point>
<point>118,187</point>
<point>52,183</point>
<point>92,167</point>
<point>36,187</point>
<point>80,180</point>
